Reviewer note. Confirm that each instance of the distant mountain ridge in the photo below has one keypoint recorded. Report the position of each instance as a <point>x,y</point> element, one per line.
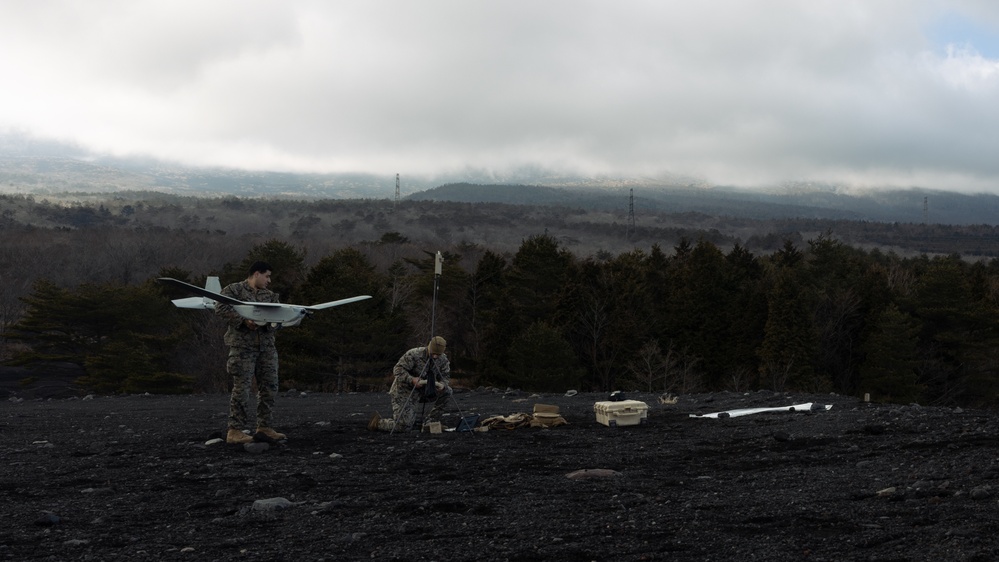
<point>909,206</point>
<point>49,169</point>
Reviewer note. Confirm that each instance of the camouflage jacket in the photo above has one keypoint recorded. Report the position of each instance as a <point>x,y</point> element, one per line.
<point>414,362</point>
<point>238,335</point>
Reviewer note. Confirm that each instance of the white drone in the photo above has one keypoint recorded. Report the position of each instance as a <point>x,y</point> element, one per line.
<point>260,313</point>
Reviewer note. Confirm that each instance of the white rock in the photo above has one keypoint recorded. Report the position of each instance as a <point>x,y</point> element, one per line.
<point>271,504</point>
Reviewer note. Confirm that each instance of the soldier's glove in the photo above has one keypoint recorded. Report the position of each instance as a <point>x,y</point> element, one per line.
<point>439,385</point>
<point>420,383</point>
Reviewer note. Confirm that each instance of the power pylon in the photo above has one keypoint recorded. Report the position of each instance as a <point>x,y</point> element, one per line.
<point>631,214</point>
<point>396,203</point>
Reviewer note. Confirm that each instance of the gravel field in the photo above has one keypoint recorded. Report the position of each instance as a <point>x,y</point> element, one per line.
<point>141,478</point>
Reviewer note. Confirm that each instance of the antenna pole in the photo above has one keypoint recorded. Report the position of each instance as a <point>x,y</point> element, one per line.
<point>438,262</point>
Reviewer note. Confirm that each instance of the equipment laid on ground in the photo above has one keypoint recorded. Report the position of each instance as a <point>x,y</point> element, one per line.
<point>468,423</point>
<point>621,413</point>
<point>547,415</point>
<point>806,407</point>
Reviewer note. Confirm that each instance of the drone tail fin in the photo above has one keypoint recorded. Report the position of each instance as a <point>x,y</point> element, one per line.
<point>212,284</point>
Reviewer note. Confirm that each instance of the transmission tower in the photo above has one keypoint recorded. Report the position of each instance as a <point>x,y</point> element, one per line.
<point>396,203</point>
<point>631,214</point>
<point>926,208</point>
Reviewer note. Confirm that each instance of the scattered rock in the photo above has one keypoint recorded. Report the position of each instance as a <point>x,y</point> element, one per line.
<point>256,447</point>
<point>47,519</point>
<point>264,438</point>
<point>271,504</point>
<point>918,483</point>
<point>981,492</point>
<point>594,473</point>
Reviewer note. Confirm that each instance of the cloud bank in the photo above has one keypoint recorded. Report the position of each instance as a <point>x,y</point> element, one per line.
<point>870,93</point>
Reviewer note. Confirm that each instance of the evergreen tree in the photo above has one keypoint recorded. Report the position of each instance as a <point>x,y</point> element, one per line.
<point>542,361</point>
<point>444,309</point>
<point>959,335</point>
<point>748,314</point>
<point>355,344</point>
<point>287,267</point>
<point>534,283</point>
<point>888,372</point>
<point>836,275</point>
<point>709,306</point>
<point>122,335</point>
<point>604,312</point>
<point>789,342</point>
<point>485,297</point>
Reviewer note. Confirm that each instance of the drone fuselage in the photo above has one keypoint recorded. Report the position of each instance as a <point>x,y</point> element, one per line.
<point>262,313</point>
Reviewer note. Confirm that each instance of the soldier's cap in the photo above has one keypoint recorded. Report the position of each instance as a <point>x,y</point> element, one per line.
<point>437,345</point>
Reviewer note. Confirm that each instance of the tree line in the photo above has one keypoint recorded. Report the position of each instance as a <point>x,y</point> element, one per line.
<point>818,317</point>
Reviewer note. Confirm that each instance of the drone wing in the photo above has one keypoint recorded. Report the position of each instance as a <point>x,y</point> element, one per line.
<point>273,316</point>
<point>336,303</point>
<point>199,291</point>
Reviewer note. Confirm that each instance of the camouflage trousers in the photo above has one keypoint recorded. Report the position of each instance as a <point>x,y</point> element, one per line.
<point>407,405</point>
<point>243,365</point>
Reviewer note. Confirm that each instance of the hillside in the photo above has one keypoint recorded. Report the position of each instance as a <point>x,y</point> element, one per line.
<point>54,171</point>
<point>909,206</point>
<point>587,223</point>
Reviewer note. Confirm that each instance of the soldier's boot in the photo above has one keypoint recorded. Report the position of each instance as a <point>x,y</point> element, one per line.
<point>269,432</point>
<point>237,437</point>
<point>378,423</point>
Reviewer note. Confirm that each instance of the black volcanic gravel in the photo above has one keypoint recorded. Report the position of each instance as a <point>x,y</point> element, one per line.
<point>136,478</point>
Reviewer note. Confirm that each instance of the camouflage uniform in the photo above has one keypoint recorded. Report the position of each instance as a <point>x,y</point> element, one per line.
<point>406,399</point>
<point>251,353</point>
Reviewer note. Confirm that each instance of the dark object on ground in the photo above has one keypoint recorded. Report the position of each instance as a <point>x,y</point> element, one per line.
<point>264,438</point>
<point>135,477</point>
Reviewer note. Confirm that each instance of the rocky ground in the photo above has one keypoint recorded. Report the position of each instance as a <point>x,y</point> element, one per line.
<point>140,478</point>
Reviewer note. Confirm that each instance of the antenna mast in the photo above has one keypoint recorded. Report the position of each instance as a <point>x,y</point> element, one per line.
<point>438,262</point>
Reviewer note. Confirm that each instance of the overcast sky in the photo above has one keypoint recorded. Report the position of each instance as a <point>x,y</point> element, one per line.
<point>738,92</point>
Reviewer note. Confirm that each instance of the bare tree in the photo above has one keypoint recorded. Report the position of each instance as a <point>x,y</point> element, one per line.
<point>681,374</point>
<point>205,353</point>
<point>649,367</point>
<point>778,373</point>
<point>739,380</point>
